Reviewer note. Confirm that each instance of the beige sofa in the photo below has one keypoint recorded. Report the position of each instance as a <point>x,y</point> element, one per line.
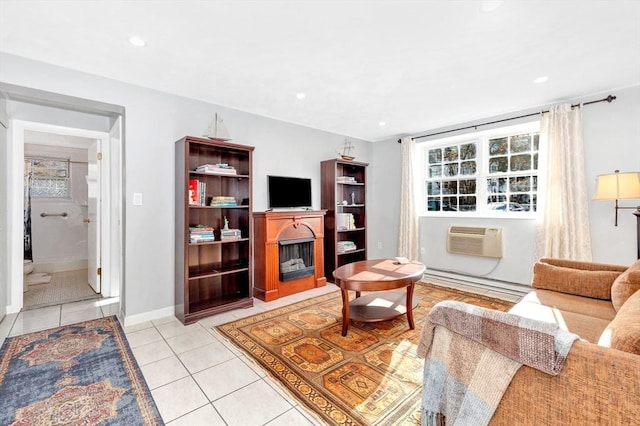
<point>599,383</point>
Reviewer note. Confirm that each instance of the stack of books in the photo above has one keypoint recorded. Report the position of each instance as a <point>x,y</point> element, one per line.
<point>345,179</point>
<point>223,201</point>
<point>200,234</point>
<point>218,168</point>
<point>197,192</point>
<point>230,234</point>
<point>345,221</point>
<point>345,246</point>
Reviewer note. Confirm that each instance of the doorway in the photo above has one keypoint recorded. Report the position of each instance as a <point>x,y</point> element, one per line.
<point>61,229</point>
<point>92,210</point>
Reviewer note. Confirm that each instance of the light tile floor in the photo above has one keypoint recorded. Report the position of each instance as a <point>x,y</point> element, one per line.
<point>196,377</point>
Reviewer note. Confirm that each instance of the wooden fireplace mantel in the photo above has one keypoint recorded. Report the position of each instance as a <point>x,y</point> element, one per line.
<point>274,226</point>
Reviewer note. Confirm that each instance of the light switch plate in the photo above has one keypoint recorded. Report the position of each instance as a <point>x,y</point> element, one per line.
<point>137,199</point>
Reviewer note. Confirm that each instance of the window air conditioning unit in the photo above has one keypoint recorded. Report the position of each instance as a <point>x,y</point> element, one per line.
<point>475,241</point>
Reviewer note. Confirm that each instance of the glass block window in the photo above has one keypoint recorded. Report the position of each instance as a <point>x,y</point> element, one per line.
<point>49,177</point>
<point>493,171</point>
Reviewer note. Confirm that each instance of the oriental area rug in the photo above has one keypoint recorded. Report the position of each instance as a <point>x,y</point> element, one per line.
<point>372,376</point>
<point>80,374</point>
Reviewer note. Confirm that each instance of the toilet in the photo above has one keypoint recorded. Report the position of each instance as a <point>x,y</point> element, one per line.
<point>27,269</point>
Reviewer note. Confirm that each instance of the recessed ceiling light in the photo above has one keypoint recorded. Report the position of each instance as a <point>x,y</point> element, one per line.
<point>541,79</point>
<point>382,123</point>
<point>300,95</point>
<point>137,41</point>
<point>490,5</point>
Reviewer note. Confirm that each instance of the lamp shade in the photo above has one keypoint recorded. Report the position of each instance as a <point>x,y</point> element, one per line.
<point>618,186</point>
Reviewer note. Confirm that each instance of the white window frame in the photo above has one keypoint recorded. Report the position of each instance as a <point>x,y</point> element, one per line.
<point>481,138</point>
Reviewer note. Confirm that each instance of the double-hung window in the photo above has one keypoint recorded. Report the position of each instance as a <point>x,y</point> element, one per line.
<point>488,173</point>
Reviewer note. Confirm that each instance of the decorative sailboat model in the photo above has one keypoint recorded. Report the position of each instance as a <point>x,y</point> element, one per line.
<point>346,150</point>
<point>217,129</point>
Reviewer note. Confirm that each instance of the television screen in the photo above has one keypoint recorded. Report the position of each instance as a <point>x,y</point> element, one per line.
<point>288,192</point>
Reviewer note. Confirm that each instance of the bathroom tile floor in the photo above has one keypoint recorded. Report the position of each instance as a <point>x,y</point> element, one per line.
<point>196,377</point>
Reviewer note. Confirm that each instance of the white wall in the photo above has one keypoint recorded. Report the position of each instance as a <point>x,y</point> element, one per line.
<point>60,243</point>
<point>154,121</point>
<point>611,135</point>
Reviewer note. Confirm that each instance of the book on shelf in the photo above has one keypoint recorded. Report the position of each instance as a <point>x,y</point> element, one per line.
<point>345,221</point>
<point>197,192</point>
<point>218,168</point>
<point>346,179</point>
<point>230,234</point>
<point>223,201</point>
<point>201,234</point>
<point>345,246</point>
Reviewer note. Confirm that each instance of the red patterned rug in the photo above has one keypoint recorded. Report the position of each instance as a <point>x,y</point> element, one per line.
<point>372,376</point>
<point>80,374</point>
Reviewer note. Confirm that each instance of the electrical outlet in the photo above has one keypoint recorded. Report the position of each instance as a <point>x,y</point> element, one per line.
<point>379,245</point>
<point>421,250</point>
<point>137,199</point>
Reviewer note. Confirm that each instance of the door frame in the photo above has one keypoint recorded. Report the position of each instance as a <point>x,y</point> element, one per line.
<point>15,206</point>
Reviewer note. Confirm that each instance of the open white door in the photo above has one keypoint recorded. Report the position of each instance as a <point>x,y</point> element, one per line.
<point>4,166</point>
<point>93,216</point>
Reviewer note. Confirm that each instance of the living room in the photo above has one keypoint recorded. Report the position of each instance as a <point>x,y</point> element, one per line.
<point>40,90</point>
<point>155,120</point>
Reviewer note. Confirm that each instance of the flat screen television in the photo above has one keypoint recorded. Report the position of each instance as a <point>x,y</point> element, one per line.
<point>286,192</point>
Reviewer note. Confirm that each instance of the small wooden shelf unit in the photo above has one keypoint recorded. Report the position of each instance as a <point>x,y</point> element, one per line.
<point>336,189</point>
<point>213,276</point>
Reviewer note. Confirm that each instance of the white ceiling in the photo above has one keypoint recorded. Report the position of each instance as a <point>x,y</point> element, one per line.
<point>416,65</point>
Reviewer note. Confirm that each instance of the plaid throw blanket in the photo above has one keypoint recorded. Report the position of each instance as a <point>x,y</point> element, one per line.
<point>473,354</point>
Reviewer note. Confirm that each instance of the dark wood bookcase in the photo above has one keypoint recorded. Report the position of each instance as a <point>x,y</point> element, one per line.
<point>344,181</point>
<point>212,276</point>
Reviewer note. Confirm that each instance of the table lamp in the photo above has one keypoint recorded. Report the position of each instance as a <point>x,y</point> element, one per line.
<point>620,186</point>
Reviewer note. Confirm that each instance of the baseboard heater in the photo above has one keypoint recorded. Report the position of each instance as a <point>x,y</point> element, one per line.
<point>475,241</point>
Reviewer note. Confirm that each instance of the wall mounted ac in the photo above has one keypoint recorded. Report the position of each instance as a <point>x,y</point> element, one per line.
<point>475,241</point>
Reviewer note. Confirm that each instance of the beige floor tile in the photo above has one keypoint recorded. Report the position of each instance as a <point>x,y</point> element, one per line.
<point>206,356</point>
<point>225,378</point>
<point>175,328</point>
<point>178,398</point>
<point>291,417</point>
<point>165,320</point>
<point>143,337</point>
<point>137,327</point>
<point>195,338</point>
<point>266,405</point>
<point>80,315</point>
<point>162,372</point>
<point>205,416</point>
<point>36,320</point>
<point>253,365</point>
<point>152,352</point>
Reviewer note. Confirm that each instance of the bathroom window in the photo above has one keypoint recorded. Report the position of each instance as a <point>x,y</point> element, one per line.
<point>47,177</point>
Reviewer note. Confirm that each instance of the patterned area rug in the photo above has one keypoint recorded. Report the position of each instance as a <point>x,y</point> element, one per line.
<point>370,377</point>
<point>81,374</point>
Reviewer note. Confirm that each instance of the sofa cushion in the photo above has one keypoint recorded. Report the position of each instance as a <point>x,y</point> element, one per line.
<point>596,308</point>
<point>625,285</point>
<point>587,327</point>
<point>596,284</point>
<point>623,333</point>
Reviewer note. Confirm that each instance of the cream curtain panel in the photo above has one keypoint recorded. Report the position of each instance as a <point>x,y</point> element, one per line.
<point>563,230</point>
<point>408,232</point>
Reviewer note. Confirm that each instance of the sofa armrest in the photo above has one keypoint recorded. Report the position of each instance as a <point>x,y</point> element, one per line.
<point>595,386</point>
<point>574,277</point>
<point>539,344</point>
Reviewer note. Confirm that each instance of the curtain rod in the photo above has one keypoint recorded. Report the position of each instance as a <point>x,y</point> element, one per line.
<point>609,99</point>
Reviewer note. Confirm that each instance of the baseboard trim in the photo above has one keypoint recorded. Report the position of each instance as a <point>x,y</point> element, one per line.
<point>482,283</point>
<point>148,316</point>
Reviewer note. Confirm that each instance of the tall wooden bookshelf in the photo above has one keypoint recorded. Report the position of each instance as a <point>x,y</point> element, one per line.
<point>344,198</point>
<point>212,274</point>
